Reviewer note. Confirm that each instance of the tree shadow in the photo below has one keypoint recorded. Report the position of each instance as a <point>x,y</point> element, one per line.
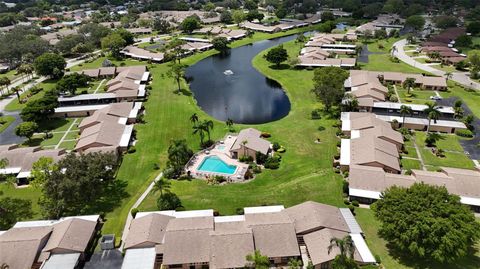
<point>182,91</point>
<point>279,67</point>
<point>468,262</point>
<point>33,142</point>
<point>112,197</point>
<point>52,124</point>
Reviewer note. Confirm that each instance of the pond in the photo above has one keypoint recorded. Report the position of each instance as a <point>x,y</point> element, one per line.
<point>230,87</point>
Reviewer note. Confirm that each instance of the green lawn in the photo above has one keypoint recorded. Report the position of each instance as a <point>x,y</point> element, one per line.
<point>451,159</point>
<point>378,246</point>
<point>69,145</point>
<point>6,121</point>
<point>98,63</point>
<point>15,104</point>
<point>58,127</point>
<point>410,164</point>
<point>11,74</point>
<point>446,141</point>
<point>412,153</point>
<point>29,193</point>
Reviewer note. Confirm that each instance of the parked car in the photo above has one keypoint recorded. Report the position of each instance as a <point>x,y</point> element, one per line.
<point>435,97</point>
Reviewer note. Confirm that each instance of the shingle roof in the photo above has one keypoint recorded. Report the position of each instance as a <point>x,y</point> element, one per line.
<point>71,235</point>
<point>147,231</point>
<point>276,240</point>
<point>254,141</point>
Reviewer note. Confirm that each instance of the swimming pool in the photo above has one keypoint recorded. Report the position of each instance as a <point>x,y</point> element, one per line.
<point>221,147</point>
<point>216,165</point>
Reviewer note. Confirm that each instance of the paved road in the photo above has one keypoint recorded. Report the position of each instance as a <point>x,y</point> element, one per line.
<point>8,135</point>
<point>459,77</point>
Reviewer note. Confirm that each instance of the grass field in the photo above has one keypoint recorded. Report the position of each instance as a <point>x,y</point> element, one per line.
<point>5,122</point>
<point>410,164</point>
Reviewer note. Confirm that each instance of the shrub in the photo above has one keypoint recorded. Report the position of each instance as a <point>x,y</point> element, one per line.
<point>393,98</point>
<point>248,174</point>
<point>408,100</point>
<point>149,87</point>
<point>281,150</point>
<point>156,166</point>
<point>134,212</point>
<point>336,156</point>
<point>339,143</point>
<point>239,211</point>
<point>464,133</point>
<point>345,186</point>
<point>34,90</point>
<point>265,135</point>
<point>131,149</point>
<point>377,258</point>
<point>408,172</point>
<point>275,146</point>
<point>321,128</point>
<point>245,159</point>
<point>272,162</point>
<point>339,133</point>
<point>346,201</point>
<point>168,201</point>
<point>261,158</point>
<point>345,174</point>
<point>355,203</point>
<point>316,114</point>
<point>257,169</point>
<point>352,209</point>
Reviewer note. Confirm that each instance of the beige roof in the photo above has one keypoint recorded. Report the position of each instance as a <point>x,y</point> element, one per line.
<point>124,85</point>
<point>109,113</point>
<point>186,246</point>
<point>31,158</point>
<point>375,179</point>
<point>318,242</point>
<point>20,247</point>
<point>16,156</point>
<point>230,243</point>
<point>107,71</point>
<point>71,235</point>
<point>267,218</point>
<point>276,240</point>
<point>365,91</point>
<point>147,231</point>
<point>106,133</point>
<point>373,150</point>
<point>359,77</point>
<point>384,132</point>
<point>310,216</point>
<point>254,141</point>
<point>195,223</point>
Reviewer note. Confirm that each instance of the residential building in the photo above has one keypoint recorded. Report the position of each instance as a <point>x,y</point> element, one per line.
<point>248,143</point>
<point>109,128</point>
<point>48,244</point>
<point>367,183</point>
<point>197,239</point>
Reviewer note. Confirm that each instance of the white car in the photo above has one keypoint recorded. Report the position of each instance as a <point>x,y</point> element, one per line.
<point>435,97</point>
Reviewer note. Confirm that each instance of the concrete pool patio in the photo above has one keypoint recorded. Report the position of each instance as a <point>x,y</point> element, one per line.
<point>221,150</point>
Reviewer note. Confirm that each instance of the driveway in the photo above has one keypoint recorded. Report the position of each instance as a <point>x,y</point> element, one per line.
<point>459,77</point>
<point>8,135</point>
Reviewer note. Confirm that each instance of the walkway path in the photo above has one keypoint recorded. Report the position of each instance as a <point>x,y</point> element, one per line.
<point>66,133</point>
<point>98,87</point>
<point>459,77</point>
<point>419,156</point>
<point>135,205</point>
<point>396,93</point>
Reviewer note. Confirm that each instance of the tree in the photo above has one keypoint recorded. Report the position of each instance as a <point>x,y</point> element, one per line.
<point>281,13</point>
<point>393,6</point>
<point>66,44</point>
<point>408,84</point>
<point>257,261</point>
<point>277,55</point>
<point>448,75</point>
<point>78,184</point>
<point>250,5</point>
<point>70,83</point>
<point>126,35</point>
<point>161,26</point>
<point>346,247</point>
<point>474,28</point>
<point>229,124</point>
<point>294,264</point>
<point>404,111</point>
<point>177,72</point>
<point>176,45</point>
<point>220,43</point>
<point>190,23</point>
<point>41,171</point>
<point>13,210</point>
<point>200,130</point>
<point>194,119</point>
<point>445,22</point>
<point>113,43</point>
<point>432,113</point>
<point>463,41</point>
<point>168,201</point>
<point>254,15</point>
<point>327,16</point>
<point>238,16</point>
<point>416,22</point>
<point>208,125</point>
<point>26,69</point>
<point>226,17</point>
<point>26,129</point>
<point>457,109</point>
<point>209,6</point>
<point>426,222</point>
<point>50,64</point>
<point>178,156</point>
<point>40,109</point>
<point>328,85</point>
<point>17,91</point>
<point>162,185</point>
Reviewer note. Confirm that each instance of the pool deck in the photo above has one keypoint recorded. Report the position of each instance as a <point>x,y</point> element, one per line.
<point>222,151</point>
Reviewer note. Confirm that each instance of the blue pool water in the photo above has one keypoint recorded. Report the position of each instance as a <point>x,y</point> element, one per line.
<point>216,165</point>
<point>221,147</point>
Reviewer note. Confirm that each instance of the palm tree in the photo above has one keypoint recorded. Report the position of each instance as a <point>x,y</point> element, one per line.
<point>346,248</point>
<point>404,110</point>
<point>177,72</point>
<point>199,129</point>
<point>229,123</point>
<point>432,113</point>
<point>244,143</point>
<point>194,119</point>
<point>408,84</point>
<point>257,260</point>
<point>162,185</point>
<point>458,110</point>
<point>208,125</point>
<point>17,90</point>
<point>448,75</point>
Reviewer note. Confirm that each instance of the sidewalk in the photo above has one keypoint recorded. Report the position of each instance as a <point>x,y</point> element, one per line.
<point>459,77</point>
